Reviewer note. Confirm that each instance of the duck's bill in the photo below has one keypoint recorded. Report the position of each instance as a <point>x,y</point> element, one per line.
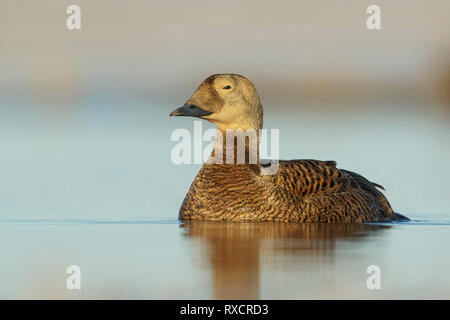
<point>190,110</point>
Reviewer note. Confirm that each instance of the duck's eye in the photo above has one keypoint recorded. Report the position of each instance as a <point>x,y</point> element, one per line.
<point>227,87</point>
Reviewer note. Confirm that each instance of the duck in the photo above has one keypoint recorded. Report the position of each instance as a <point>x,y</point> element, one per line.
<point>234,184</point>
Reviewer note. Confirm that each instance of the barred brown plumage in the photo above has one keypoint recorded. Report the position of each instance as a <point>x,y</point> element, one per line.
<point>300,191</point>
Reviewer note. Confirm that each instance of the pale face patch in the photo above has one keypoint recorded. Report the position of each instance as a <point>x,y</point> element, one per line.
<point>233,101</point>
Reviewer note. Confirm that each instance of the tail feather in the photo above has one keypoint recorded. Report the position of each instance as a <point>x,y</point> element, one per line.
<point>379,186</point>
<point>400,217</point>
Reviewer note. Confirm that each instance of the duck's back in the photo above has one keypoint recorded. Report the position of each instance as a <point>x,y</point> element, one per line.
<point>329,194</point>
<point>300,191</point>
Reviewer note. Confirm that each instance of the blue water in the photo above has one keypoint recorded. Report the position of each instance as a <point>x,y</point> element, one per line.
<point>94,186</point>
<point>166,258</point>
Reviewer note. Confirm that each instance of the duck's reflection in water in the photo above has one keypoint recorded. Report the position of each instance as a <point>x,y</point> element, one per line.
<point>236,249</point>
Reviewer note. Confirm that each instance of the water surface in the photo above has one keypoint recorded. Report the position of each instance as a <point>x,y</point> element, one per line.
<point>160,258</point>
<point>93,185</point>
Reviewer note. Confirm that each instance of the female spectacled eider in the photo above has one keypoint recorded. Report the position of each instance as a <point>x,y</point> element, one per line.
<point>299,191</point>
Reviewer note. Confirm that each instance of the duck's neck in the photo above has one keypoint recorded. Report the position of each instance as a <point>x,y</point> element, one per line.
<point>236,146</point>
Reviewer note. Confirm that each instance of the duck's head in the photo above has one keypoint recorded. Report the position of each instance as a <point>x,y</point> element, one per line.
<point>228,100</point>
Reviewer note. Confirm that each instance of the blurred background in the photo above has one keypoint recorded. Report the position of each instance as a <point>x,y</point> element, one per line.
<point>86,176</point>
<point>84,126</point>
